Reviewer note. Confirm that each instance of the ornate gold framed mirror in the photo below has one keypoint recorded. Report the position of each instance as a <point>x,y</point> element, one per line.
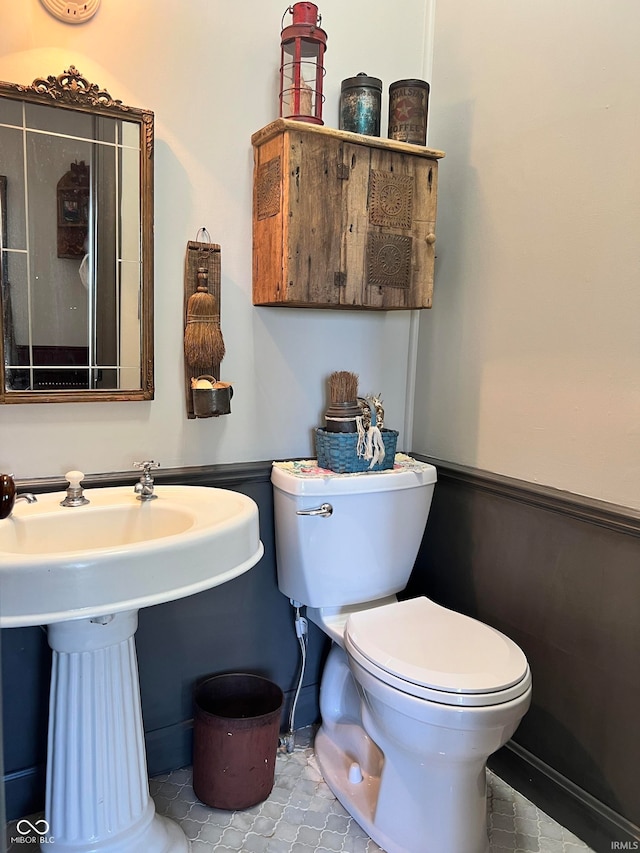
<point>76,244</point>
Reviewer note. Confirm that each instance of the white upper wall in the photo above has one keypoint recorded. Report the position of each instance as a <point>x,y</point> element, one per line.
<point>529,362</point>
<point>209,71</point>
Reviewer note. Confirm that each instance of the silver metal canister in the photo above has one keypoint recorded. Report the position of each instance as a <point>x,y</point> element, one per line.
<point>360,99</point>
<point>408,110</point>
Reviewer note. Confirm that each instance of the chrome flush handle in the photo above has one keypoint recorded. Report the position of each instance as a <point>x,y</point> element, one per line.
<point>324,511</point>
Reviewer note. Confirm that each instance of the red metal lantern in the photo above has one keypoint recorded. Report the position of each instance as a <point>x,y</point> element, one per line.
<point>303,45</point>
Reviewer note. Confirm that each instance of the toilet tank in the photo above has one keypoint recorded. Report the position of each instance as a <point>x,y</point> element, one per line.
<point>365,549</point>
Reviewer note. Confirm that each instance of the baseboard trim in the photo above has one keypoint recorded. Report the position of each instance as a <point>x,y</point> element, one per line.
<point>578,811</point>
<point>169,748</point>
<point>24,791</point>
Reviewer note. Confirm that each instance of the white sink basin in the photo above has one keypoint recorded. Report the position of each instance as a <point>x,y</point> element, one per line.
<point>118,553</point>
<point>84,572</point>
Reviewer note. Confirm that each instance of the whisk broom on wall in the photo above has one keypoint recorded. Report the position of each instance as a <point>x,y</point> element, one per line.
<point>204,346</point>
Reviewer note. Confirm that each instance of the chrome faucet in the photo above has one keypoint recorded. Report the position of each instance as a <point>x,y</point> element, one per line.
<point>144,487</point>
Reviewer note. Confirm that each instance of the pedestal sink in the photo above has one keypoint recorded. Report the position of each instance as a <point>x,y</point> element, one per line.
<point>84,572</point>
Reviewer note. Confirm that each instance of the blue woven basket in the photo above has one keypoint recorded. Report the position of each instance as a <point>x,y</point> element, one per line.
<point>337,451</point>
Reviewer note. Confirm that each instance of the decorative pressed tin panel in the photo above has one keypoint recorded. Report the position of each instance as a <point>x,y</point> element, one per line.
<point>268,188</point>
<point>388,260</point>
<point>391,202</point>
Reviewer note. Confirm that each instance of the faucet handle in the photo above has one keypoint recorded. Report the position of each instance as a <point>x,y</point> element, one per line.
<point>147,465</point>
<point>74,490</point>
<point>74,478</point>
<point>7,495</point>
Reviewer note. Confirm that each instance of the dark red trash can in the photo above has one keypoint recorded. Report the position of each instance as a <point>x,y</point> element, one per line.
<point>235,739</point>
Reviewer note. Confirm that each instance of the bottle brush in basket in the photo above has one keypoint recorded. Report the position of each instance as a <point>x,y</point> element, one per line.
<point>343,402</point>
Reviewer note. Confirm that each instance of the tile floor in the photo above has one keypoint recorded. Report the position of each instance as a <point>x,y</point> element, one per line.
<point>302,815</point>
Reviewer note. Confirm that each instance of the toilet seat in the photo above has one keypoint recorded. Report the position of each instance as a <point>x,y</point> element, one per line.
<point>434,653</point>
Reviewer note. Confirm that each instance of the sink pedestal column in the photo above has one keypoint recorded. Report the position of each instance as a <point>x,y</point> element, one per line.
<point>97,787</point>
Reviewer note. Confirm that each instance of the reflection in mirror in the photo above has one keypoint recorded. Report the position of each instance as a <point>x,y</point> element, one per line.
<point>76,241</point>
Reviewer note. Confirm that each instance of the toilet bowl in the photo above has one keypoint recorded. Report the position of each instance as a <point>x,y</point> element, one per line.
<point>414,697</point>
<point>431,716</point>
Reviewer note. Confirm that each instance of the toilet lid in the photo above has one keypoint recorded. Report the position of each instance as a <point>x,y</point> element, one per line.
<point>427,645</point>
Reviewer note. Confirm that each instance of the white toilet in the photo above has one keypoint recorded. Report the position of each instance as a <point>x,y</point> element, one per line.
<point>414,697</point>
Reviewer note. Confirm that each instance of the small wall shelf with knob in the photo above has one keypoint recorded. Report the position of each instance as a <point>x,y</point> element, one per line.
<point>342,220</point>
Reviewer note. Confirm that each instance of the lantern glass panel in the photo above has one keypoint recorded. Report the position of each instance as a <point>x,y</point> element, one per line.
<point>299,78</point>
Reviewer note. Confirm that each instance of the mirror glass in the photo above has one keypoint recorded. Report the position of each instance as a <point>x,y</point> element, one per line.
<point>76,240</point>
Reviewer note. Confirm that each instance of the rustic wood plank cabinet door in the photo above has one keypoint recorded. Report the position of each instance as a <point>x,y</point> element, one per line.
<point>342,220</point>
<point>314,221</point>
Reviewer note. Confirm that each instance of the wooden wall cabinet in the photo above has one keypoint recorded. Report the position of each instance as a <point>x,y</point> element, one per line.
<point>342,220</point>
